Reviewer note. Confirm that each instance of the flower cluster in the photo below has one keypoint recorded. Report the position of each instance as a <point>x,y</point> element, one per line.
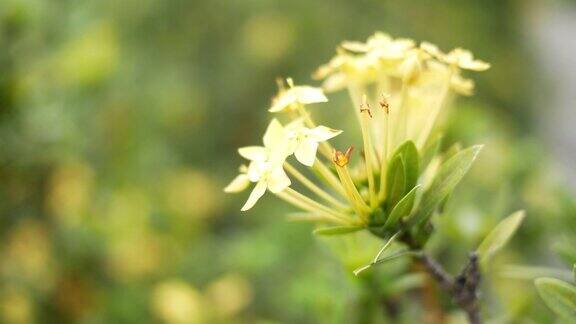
<point>398,90</point>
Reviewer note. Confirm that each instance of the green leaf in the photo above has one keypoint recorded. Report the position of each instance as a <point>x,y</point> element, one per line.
<point>396,180</point>
<point>430,151</point>
<point>386,245</point>
<point>337,230</point>
<point>559,296</point>
<point>377,257</point>
<point>452,150</point>
<point>385,259</point>
<point>523,272</point>
<point>411,161</point>
<point>499,236</point>
<point>574,272</point>
<point>448,176</point>
<point>402,208</point>
<point>409,154</point>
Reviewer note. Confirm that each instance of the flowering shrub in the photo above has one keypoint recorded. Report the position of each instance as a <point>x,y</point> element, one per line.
<point>401,179</point>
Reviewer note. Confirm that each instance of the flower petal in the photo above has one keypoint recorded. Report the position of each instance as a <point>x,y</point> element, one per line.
<point>461,85</point>
<point>275,134</point>
<point>354,46</point>
<point>322,133</point>
<point>335,82</point>
<point>294,125</point>
<point>255,170</point>
<point>240,183</point>
<point>282,101</point>
<point>309,95</point>
<point>278,180</point>
<point>254,153</point>
<point>306,152</point>
<point>475,65</point>
<point>256,193</point>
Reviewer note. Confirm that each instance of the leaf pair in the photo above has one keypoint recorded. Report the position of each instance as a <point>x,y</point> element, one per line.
<point>445,181</point>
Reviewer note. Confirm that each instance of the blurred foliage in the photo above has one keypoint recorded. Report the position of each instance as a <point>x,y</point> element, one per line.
<point>117,119</point>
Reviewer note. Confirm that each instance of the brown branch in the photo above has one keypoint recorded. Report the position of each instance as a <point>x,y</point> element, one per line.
<point>429,291</point>
<point>463,288</point>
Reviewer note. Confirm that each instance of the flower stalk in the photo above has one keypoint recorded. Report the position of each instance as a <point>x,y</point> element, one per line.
<point>365,117</point>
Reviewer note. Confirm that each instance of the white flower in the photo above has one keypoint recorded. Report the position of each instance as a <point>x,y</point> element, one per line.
<point>265,168</point>
<point>304,141</point>
<point>240,183</point>
<point>303,95</point>
<point>267,175</point>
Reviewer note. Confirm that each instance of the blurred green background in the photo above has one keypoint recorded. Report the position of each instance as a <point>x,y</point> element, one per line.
<point>119,123</point>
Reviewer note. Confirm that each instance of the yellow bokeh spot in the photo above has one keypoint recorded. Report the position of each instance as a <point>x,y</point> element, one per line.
<point>27,254</point>
<point>69,192</point>
<point>229,295</point>
<point>15,306</point>
<point>89,57</point>
<point>192,194</point>
<point>176,302</point>
<point>267,37</point>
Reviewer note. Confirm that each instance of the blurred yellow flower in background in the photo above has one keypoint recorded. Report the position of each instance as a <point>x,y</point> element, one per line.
<point>267,37</point>
<point>15,306</point>
<point>176,302</point>
<point>69,192</point>
<point>229,295</point>
<point>192,194</point>
<point>89,57</point>
<point>29,256</point>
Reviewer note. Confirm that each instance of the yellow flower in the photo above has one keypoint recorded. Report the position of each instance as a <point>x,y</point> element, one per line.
<point>303,95</point>
<point>462,85</point>
<point>304,141</point>
<point>458,57</point>
<point>465,60</point>
<point>382,46</point>
<point>360,62</point>
<point>411,67</point>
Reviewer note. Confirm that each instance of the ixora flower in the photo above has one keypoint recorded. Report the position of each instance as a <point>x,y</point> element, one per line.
<point>265,168</point>
<point>297,95</point>
<point>267,162</point>
<point>304,141</point>
<point>398,90</point>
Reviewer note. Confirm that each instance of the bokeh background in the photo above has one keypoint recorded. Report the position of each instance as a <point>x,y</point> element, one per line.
<point>119,123</point>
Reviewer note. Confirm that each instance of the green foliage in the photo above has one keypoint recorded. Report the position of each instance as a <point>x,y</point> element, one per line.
<point>396,180</point>
<point>402,209</point>
<point>431,149</point>
<point>449,175</point>
<point>337,230</point>
<point>559,296</point>
<point>409,154</point>
<point>499,236</point>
